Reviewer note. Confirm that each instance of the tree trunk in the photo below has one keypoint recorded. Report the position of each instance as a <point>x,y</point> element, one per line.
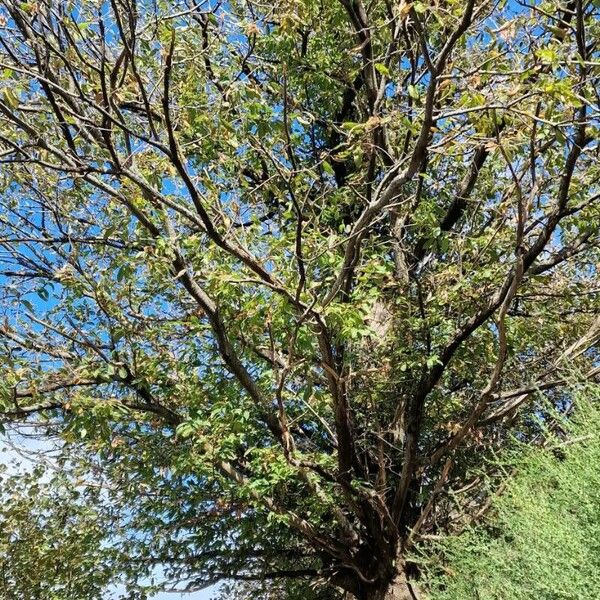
<point>399,588</point>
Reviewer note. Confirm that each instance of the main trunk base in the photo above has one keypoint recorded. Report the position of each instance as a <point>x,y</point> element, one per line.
<point>399,589</point>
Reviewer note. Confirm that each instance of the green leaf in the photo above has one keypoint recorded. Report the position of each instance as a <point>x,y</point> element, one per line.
<point>27,304</point>
<point>328,168</point>
<point>43,293</point>
<point>381,68</point>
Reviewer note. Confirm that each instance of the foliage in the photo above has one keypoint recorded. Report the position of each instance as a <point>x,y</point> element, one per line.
<point>51,540</point>
<point>541,537</point>
<point>279,277</point>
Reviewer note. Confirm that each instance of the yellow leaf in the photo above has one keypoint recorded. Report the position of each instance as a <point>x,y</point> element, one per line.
<point>11,98</point>
<point>404,9</point>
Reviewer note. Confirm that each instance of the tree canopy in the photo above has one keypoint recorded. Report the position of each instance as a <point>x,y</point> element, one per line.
<point>278,277</point>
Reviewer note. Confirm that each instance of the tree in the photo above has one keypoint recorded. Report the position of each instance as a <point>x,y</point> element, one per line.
<point>50,539</point>
<point>280,275</point>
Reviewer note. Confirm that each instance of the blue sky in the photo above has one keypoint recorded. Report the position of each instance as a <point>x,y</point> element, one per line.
<point>207,594</point>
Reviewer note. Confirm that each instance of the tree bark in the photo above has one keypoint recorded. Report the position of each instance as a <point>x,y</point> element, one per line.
<point>399,588</point>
